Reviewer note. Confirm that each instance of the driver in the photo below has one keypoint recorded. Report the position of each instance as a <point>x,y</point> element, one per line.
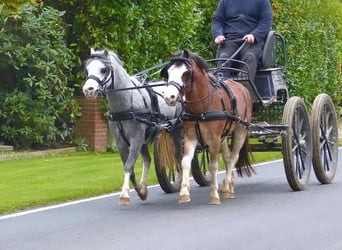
<point>238,20</point>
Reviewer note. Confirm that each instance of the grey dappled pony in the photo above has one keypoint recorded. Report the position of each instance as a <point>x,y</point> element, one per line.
<point>133,108</point>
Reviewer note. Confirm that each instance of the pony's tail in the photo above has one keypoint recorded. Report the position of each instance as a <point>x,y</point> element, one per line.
<point>165,150</point>
<point>245,161</point>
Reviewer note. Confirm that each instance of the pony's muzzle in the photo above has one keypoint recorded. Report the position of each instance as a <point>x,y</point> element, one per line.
<point>172,98</point>
<point>90,91</point>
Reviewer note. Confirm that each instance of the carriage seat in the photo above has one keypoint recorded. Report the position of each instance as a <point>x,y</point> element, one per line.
<point>268,57</point>
<point>269,79</point>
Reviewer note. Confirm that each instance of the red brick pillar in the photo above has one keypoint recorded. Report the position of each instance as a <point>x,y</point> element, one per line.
<point>92,126</point>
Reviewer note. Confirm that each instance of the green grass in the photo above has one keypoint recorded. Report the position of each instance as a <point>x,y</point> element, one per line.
<point>45,180</point>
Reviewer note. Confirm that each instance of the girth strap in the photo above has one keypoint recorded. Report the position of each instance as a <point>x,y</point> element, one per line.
<point>127,114</point>
<point>211,116</point>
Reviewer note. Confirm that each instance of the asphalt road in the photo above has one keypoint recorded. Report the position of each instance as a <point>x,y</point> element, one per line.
<point>265,214</point>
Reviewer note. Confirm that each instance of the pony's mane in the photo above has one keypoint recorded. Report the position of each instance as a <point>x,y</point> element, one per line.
<point>106,56</point>
<point>200,61</point>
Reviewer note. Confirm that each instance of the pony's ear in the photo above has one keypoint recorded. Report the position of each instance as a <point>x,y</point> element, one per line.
<point>164,74</point>
<point>186,53</point>
<point>105,52</point>
<point>92,51</point>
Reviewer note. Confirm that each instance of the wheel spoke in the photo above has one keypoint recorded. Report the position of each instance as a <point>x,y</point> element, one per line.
<point>325,158</point>
<point>171,176</point>
<point>326,141</point>
<point>204,161</point>
<point>298,164</point>
<point>299,143</point>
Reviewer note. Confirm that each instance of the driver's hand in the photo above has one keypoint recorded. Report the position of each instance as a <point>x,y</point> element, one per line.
<point>220,39</point>
<point>249,38</point>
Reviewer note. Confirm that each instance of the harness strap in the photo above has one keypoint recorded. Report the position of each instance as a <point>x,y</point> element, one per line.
<point>211,116</point>
<point>199,134</point>
<point>231,95</point>
<point>154,100</point>
<point>127,114</point>
<point>123,134</point>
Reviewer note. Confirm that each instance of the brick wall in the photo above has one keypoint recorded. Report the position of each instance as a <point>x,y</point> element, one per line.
<point>92,126</point>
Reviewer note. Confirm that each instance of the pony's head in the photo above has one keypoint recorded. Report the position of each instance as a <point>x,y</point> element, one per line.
<point>179,74</point>
<point>99,72</point>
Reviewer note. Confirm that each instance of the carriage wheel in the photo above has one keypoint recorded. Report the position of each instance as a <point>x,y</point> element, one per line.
<point>324,138</point>
<point>168,178</point>
<point>199,167</point>
<point>296,144</point>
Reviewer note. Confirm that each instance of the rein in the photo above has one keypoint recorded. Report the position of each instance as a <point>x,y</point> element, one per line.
<point>136,87</point>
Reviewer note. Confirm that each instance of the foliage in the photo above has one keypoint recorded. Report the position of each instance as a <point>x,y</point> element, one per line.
<point>36,104</point>
<point>313,32</point>
<point>144,32</point>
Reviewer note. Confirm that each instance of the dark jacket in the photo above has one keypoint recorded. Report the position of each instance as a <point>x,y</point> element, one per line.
<point>236,18</point>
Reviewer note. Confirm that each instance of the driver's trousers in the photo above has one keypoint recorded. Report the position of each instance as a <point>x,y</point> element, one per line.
<point>250,54</point>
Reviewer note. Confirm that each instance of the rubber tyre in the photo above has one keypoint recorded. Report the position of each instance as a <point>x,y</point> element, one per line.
<point>324,138</point>
<point>199,167</point>
<point>297,144</point>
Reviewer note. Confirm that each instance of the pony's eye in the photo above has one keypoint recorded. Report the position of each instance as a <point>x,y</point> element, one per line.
<point>103,70</point>
<point>186,74</point>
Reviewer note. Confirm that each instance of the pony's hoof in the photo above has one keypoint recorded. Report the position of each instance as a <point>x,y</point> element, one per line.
<point>227,195</point>
<point>142,191</point>
<point>124,201</point>
<point>143,196</point>
<point>184,199</point>
<point>214,201</point>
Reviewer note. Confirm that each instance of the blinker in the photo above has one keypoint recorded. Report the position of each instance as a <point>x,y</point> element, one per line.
<point>179,59</point>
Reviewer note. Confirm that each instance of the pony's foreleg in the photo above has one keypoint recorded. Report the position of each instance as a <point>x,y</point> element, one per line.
<point>189,150</point>
<point>141,187</point>
<point>213,167</point>
<point>124,195</point>
<point>129,173</point>
<point>177,136</point>
<point>227,189</point>
<point>238,140</point>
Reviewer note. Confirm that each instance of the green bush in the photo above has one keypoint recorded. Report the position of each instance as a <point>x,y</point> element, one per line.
<point>143,33</point>
<point>313,33</point>
<point>36,104</point>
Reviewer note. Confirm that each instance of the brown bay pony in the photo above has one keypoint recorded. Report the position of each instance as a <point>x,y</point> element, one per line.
<point>212,111</point>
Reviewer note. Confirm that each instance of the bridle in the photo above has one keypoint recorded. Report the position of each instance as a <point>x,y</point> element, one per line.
<point>108,77</point>
<point>181,88</point>
<point>165,75</point>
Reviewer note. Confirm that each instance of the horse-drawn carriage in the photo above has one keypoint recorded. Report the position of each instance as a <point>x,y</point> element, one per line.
<point>264,113</point>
